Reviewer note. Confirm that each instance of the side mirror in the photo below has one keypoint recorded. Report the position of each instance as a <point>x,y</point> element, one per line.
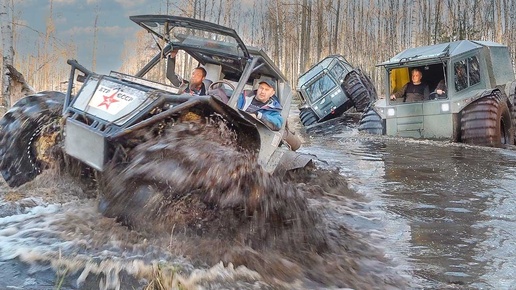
<point>81,78</point>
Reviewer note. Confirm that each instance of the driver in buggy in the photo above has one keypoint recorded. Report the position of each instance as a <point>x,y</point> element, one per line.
<point>263,104</point>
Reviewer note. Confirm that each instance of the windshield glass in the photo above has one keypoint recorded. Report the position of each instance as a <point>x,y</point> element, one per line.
<point>202,37</point>
<point>320,87</point>
<point>195,38</point>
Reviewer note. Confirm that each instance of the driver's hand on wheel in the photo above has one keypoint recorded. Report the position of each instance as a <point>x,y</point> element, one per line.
<point>393,97</point>
<point>440,92</point>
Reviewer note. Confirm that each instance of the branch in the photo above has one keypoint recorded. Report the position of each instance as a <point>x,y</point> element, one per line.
<point>19,87</point>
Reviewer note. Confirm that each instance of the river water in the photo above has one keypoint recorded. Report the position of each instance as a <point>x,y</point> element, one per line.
<point>422,214</point>
<point>449,208</point>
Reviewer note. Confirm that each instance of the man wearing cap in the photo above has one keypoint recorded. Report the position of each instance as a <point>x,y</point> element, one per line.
<point>263,104</point>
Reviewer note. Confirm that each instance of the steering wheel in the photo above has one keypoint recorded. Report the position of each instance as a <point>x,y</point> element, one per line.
<point>432,96</point>
<point>436,96</point>
<point>220,84</point>
<point>217,90</point>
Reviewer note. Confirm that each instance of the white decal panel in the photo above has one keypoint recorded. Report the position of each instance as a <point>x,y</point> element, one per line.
<point>110,100</point>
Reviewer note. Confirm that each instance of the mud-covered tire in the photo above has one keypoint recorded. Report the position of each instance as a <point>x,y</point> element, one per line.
<point>359,89</point>
<point>487,122</point>
<point>308,117</point>
<point>371,122</point>
<point>20,129</point>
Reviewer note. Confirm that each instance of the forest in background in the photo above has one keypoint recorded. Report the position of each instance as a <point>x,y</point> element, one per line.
<point>296,33</point>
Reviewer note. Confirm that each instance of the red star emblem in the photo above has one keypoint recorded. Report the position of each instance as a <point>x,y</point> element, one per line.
<point>108,100</point>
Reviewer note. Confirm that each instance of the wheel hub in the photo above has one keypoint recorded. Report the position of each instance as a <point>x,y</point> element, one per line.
<point>41,143</point>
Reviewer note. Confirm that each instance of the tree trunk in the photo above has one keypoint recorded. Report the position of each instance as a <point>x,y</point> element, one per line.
<point>320,24</point>
<point>18,86</point>
<point>437,21</point>
<point>308,43</point>
<point>95,39</point>
<point>303,37</point>
<point>336,29</point>
<point>8,51</point>
<point>277,35</point>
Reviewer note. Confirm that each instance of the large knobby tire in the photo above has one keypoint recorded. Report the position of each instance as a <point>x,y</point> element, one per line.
<point>308,117</point>
<point>359,89</point>
<point>371,122</point>
<point>487,122</point>
<point>27,132</point>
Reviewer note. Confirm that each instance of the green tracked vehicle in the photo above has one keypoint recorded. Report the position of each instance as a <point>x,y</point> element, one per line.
<point>331,89</point>
<point>477,106</point>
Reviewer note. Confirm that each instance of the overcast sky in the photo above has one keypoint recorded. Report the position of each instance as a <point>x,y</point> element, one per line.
<point>74,21</point>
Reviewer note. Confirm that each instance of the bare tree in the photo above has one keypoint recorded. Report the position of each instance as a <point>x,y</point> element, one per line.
<point>7,50</point>
<point>336,27</point>
<point>298,33</point>
<point>95,39</point>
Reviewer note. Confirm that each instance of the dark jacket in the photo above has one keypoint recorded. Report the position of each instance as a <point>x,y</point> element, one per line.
<point>269,113</point>
<point>412,93</point>
<point>200,92</point>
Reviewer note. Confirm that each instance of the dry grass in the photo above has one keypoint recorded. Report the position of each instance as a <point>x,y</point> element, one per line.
<point>164,277</point>
<point>13,196</point>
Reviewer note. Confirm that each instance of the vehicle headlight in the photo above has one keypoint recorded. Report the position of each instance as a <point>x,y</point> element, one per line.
<point>391,112</point>
<point>445,107</point>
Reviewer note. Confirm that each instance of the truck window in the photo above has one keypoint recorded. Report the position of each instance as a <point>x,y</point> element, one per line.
<point>467,73</point>
<point>338,72</point>
<point>474,70</point>
<point>461,78</point>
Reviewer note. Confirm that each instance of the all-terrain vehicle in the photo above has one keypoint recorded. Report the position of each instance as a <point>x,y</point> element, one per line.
<point>110,115</point>
<point>331,88</point>
<point>477,106</point>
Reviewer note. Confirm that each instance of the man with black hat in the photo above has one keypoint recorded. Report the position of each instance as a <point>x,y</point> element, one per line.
<point>263,104</point>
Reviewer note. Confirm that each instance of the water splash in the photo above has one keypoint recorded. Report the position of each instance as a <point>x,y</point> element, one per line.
<point>201,213</point>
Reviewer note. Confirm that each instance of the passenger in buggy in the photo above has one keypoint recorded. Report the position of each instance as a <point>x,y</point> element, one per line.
<point>194,86</point>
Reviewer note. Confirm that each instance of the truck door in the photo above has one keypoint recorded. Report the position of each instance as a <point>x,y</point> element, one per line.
<point>409,120</point>
<point>406,119</point>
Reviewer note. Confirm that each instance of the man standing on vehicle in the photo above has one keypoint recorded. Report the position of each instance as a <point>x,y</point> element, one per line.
<point>263,104</point>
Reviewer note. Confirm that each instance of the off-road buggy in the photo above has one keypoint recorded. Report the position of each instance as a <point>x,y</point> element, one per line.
<point>476,108</point>
<point>332,88</point>
<point>110,115</point>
